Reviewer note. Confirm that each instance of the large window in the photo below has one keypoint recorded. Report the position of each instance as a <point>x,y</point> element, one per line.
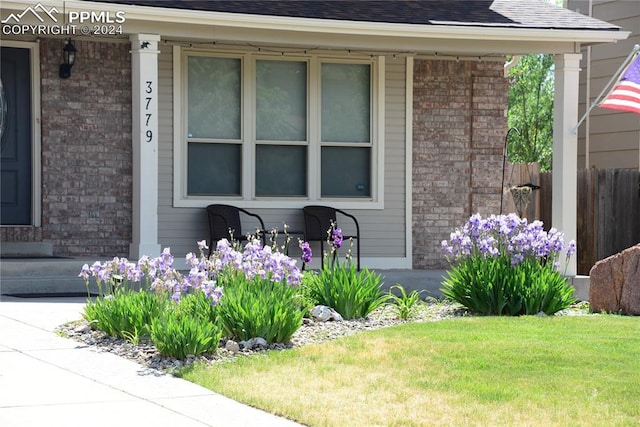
<point>256,129</point>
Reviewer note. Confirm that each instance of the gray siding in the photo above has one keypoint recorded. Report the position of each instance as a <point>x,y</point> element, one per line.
<point>178,228</point>
<point>383,231</point>
<point>613,136</point>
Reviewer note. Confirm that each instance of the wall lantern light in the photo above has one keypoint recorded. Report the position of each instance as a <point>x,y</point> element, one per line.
<point>69,58</point>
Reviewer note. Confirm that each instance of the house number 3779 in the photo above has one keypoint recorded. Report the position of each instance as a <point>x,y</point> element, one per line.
<point>149,99</point>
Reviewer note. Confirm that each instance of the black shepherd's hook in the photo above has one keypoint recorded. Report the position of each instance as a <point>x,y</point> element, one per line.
<point>504,162</point>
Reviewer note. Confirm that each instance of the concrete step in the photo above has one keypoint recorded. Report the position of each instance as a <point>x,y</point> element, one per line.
<point>581,285</point>
<point>26,249</point>
<point>42,275</point>
<point>60,276</point>
<point>428,281</point>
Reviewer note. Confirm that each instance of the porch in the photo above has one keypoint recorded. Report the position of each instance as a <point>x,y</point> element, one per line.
<point>59,276</point>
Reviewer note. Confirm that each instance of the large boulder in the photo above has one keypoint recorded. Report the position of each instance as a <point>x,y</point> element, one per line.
<point>615,283</point>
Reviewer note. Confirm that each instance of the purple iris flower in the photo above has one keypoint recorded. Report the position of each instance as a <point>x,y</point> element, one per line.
<point>306,252</point>
<point>336,238</point>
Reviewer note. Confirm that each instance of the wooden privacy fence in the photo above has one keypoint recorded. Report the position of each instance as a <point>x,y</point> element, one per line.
<point>608,216</point>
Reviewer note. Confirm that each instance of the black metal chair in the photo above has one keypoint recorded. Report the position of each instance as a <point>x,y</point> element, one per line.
<point>317,223</point>
<point>224,223</point>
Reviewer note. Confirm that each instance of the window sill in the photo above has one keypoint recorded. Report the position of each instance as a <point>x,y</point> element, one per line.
<point>202,202</point>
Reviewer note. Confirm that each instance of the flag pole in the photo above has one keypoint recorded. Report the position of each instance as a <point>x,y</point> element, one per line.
<point>614,79</point>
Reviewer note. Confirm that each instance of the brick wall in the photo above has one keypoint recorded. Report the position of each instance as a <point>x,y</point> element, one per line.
<point>458,130</point>
<point>26,233</point>
<point>86,150</point>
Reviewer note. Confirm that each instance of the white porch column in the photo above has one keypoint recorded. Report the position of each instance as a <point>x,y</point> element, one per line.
<point>144,82</point>
<point>565,151</point>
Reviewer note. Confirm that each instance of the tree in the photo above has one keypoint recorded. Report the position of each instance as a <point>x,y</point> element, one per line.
<point>531,110</point>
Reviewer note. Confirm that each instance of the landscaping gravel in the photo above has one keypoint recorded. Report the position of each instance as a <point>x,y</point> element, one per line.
<point>311,332</point>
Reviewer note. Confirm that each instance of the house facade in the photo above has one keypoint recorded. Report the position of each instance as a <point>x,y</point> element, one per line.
<point>393,111</point>
<point>607,138</point>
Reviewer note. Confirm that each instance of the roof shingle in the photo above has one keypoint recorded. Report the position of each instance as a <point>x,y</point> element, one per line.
<point>491,13</point>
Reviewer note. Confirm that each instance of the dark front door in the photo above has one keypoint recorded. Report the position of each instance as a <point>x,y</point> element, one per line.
<point>15,153</point>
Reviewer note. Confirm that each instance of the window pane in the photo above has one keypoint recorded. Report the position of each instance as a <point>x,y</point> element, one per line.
<point>214,97</point>
<point>214,169</point>
<point>281,101</point>
<point>281,170</point>
<point>346,106</point>
<point>346,172</point>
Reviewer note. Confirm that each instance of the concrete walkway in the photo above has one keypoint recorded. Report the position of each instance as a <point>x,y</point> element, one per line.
<point>46,380</point>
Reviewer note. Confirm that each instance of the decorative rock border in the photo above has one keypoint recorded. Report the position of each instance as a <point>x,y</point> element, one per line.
<point>311,332</point>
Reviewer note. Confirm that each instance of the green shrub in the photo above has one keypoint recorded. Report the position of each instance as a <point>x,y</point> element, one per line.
<point>504,266</point>
<point>257,307</point>
<point>305,299</point>
<point>404,304</point>
<point>354,294</point>
<point>187,327</point>
<point>125,313</point>
<point>493,286</point>
<point>197,304</point>
<point>178,312</point>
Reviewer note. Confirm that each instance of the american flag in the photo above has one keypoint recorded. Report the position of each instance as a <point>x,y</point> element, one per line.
<point>625,95</point>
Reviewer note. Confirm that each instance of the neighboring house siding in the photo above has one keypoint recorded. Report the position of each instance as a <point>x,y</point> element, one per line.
<point>459,127</point>
<point>86,152</point>
<point>383,231</point>
<point>613,136</point>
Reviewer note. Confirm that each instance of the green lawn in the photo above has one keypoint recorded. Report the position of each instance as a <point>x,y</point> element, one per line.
<point>565,371</point>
